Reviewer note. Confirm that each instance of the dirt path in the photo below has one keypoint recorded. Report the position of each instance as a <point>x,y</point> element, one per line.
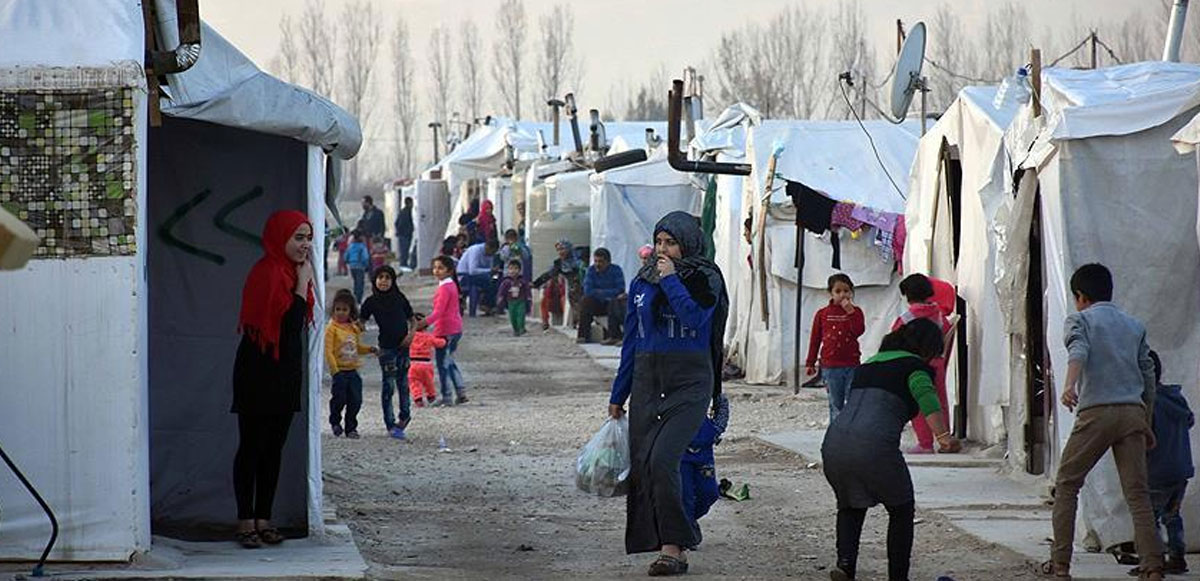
<point>502,502</point>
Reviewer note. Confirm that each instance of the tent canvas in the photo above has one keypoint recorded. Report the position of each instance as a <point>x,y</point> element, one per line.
<point>627,202</point>
<point>78,443</point>
<point>835,158</point>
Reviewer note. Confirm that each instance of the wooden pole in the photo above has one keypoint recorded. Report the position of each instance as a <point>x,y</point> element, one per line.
<point>1035,57</point>
<point>797,376</point>
<point>1094,50</point>
<point>762,241</point>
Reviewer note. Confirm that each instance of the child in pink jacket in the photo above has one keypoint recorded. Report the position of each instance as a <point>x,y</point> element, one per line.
<point>918,289</point>
<point>447,323</point>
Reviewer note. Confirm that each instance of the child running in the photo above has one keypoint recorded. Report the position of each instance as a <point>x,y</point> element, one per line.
<point>420,371</point>
<point>835,332</point>
<point>394,315</point>
<point>697,469</point>
<point>1110,379</point>
<point>514,293</point>
<point>446,320</point>
<point>918,290</point>
<point>343,345</point>
<point>1169,466</point>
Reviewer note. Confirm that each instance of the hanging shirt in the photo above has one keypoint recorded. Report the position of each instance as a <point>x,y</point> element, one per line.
<point>843,215</point>
<point>814,210</point>
<point>885,221</point>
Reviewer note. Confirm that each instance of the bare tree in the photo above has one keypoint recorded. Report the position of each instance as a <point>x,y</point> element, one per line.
<point>360,33</point>
<point>1006,40</point>
<point>647,101</point>
<point>440,68</point>
<point>852,53</point>
<point>557,64</point>
<point>470,66</point>
<point>1134,39</point>
<point>318,41</point>
<point>287,61</point>
<point>808,73</point>
<point>403,77</point>
<point>509,48</point>
<point>951,49</point>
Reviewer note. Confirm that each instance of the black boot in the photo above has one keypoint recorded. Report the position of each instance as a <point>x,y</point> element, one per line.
<point>1175,565</point>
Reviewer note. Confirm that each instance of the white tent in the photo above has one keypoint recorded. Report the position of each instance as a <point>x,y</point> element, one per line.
<point>627,202</point>
<point>96,436</point>
<point>835,158</point>
<point>1096,175</point>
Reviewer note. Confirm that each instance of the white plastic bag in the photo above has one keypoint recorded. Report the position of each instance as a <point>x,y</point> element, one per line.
<point>603,465</point>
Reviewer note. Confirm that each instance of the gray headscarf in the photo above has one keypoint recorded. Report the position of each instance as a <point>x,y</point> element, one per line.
<point>702,278</point>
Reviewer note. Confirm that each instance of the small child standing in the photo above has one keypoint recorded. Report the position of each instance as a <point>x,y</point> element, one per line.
<point>918,290</point>
<point>835,332</point>
<point>420,372</point>
<point>1169,465</point>
<point>697,469</point>
<point>343,345</point>
<point>1110,379</point>
<point>358,259</point>
<point>514,292</point>
<point>447,323</point>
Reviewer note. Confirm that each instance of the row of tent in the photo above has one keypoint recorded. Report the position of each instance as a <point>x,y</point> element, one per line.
<point>117,366</point>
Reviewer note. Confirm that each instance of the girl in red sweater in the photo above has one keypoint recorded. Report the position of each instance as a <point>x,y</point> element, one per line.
<point>835,332</point>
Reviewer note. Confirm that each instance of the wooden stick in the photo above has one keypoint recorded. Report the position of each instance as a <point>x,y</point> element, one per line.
<point>762,241</point>
<point>1035,57</point>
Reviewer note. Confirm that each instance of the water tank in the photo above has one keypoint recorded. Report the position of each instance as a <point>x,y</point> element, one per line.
<point>432,213</point>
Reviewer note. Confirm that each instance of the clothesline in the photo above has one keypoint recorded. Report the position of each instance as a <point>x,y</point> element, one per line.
<point>818,213</point>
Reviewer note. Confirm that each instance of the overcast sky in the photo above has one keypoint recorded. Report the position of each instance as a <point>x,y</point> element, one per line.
<point>625,41</point>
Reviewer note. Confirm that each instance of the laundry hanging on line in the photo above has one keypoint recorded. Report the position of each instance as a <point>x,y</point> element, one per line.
<point>819,213</point>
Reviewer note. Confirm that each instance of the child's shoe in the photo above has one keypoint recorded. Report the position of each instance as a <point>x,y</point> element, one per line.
<point>1175,565</point>
<point>461,400</point>
<point>337,429</point>
<point>353,435</point>
<point>397,433</point>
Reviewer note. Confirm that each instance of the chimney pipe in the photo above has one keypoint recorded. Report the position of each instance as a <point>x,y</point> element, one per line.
<point>573,115</point>
<point>435,126</point>
<point>676,158</point>
<point>1175,31</point>
<point>182,57</point>
<point>555,106</point>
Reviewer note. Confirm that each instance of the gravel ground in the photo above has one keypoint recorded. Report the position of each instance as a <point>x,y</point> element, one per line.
<point>501,502</point>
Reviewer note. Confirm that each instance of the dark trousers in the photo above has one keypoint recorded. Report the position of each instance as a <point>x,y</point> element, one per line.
<point>899,539</point>
<point>256,466</point>
<point>590,308</point>
<point>404,242</point>
<point>481,291</point>
<point>394,365</point>
<point>347,395</point>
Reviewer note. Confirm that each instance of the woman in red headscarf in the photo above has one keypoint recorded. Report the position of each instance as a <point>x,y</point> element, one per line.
<point>486,222</point>
<point>277,306</point>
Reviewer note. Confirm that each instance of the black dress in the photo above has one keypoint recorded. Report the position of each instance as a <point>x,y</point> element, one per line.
<point>263,384</point>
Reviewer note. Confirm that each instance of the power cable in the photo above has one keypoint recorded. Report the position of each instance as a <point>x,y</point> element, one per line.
<point>870,140</point>
<point>939,67</point>
<point>1109,50</point>
<point>1070,52</point>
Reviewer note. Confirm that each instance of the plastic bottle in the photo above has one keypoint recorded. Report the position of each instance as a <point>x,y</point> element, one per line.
<point>442,444</point>
<point>1014,89</point>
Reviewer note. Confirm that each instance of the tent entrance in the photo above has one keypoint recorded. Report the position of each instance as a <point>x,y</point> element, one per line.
<point>1037,390</point>
<point>951,174</point>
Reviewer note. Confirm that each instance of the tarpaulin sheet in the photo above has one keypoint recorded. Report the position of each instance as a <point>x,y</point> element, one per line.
<point>627,202</point>
<point>213,190</point>
<point>1118,100</point>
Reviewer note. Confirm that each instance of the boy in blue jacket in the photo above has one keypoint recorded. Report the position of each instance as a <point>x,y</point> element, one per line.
<point>1169,465</point>
<point>697,470</point>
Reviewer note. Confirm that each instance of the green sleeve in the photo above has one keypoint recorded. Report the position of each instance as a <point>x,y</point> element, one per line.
<point>920,385</point>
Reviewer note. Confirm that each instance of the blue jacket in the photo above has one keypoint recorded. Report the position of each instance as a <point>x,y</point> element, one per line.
<point>605,285</point>
<point>700,450</point>
<point>1170,461</point>
<point>681,325</point>
<point>357,256</point>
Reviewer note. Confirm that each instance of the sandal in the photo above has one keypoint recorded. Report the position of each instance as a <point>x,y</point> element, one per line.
<point>249,539</point>
<point>1056,570</point>
<point>667,565</point>
<point>271,536</point>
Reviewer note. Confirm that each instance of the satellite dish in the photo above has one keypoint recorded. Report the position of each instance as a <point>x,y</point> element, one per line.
<point>906,78</point>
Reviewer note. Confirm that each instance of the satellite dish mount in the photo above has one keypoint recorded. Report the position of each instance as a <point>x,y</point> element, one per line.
<point>906,77</point>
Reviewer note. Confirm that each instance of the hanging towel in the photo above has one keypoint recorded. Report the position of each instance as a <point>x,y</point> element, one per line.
<point>883,244</point>
<point>842,216</point>
<point>885,221</point>
<point>814,210</point>
<point>899,238</point>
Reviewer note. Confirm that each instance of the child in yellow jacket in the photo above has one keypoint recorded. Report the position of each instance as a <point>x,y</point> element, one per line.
<point>343,345</point>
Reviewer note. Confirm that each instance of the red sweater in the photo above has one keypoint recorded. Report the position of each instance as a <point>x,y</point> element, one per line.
<point>835,334</point>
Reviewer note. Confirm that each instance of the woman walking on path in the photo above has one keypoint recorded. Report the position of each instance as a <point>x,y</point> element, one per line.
<point>861,452</point>
<point>671,371</point>
<point>277,305</point>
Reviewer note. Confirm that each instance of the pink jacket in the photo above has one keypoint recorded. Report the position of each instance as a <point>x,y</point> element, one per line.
<point>445,318</point>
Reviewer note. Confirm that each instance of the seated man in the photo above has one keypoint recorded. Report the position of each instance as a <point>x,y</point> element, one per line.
<point>603,294</point>
<point>475,276</point>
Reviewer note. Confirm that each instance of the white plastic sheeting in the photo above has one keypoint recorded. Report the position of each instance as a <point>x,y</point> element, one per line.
<point>1118,100</point>
<point>628,201</point>
<point>836,158</point>
<point>226,88</point>
<point>974,128</point>
<point>74,383</point>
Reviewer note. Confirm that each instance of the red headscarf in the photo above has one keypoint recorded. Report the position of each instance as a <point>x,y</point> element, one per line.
<point>486,220</point>
<point>267,295</point>
<point>944,295</point>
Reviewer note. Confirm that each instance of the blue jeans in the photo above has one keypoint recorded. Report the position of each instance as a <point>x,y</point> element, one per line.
<point>837,380</point>
<point>394,364</point>
<point>1166,502</point>
<point>480,291</point>
<point>358,274</point>
<point>346,394</point>
<point>448,370</point>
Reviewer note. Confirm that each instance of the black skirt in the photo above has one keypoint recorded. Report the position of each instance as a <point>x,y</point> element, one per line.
<point>265,385</point>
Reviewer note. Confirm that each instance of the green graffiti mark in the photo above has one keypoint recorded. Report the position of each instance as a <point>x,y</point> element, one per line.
<point>164,231</point>
<point>220,219</point>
